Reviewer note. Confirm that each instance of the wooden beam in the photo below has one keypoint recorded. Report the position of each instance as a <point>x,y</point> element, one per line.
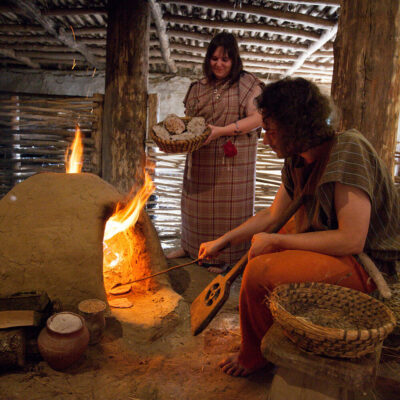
<point>162,35</point>
<point>366,83</point>
<point>58,56</point>
<point>244,54</point>
<point>90,31</point>
<point>238,26</point>
<point>321,3</point>
<point>30,10</point>
<point>276,44</point>
<point>13,55</point>
<point>43,50</point>
<point>325,37</point>
<point>28,39</point>
<point>298,18</point>
<point>62,12</point>
<point>125,100</point>
<point>21,28</point>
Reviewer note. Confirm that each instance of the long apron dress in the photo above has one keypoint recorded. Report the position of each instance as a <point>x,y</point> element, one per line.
<point>218,191</point>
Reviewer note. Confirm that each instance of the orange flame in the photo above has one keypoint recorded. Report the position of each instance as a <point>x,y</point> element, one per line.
<point>74,163</point>
<point>117,241</point>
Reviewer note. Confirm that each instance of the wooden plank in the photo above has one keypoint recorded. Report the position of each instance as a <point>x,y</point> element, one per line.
<point>14,319</point>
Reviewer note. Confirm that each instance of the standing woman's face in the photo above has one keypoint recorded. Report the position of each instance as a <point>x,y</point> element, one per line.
<point>220,63</point>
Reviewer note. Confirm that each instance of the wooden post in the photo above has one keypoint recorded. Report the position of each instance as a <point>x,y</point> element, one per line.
<point>366,77</point>
<point>153,111</point>
<point>125,102</point>
<point>98,101</point>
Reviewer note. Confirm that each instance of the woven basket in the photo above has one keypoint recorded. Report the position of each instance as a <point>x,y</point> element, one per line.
<point>331,320</point>
<point>180,146</point>
<point>394,304</point>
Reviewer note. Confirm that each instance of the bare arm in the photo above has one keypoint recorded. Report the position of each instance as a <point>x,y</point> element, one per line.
<point>244,232</point>
<point>353,210</point>
<point>252,121</point>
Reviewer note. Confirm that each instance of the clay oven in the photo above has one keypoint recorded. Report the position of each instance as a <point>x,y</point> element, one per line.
<point>51,235</point>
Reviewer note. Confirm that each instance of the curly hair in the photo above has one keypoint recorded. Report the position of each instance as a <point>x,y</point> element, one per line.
<point>300,110</point>
<point>230,45</point>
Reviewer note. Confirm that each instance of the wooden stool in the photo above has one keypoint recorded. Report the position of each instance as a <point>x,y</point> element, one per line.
<point>306,376</point>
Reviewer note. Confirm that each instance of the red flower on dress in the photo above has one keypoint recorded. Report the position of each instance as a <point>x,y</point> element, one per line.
<point>230,149</point>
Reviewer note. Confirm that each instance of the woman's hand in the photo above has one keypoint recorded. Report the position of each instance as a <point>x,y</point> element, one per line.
<point>211,249</point>
<point>263,243</point>
<point>216,132</point>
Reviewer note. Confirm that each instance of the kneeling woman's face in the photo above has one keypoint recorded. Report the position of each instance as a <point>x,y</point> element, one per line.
<point>273,137</point>
<point>220,63</point>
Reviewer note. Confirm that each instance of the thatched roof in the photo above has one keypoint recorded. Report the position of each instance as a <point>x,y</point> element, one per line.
<point>276,38</point>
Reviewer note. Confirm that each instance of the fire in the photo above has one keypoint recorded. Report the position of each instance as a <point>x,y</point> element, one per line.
<point>74,163</point>
<point>119,241</point>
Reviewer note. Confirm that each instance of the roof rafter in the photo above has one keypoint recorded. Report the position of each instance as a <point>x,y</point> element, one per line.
<point>315,22</point>
<point>13,55</point>
<point>326,37</point>
<point>201,37</point>
<point>30,10</point>
<point>162,35</point>
<point>177,19</point>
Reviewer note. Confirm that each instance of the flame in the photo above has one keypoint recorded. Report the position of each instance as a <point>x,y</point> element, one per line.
<point>117,241</point>
<point>74,163</point>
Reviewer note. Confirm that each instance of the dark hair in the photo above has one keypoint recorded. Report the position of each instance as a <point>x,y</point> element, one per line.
<point>300,110</point>
<point>229,43</point>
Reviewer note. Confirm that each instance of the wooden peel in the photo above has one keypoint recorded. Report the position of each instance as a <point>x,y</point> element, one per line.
<point>157,273</point>
<point>207,304</point>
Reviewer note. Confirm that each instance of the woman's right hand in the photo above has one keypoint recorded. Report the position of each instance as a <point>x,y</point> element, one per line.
<point>215,133</point>
<point>210,249</point>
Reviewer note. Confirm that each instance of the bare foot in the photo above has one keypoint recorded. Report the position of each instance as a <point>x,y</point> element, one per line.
<point>217,270</point>
<point>178,253</point>
<point>231,366</point>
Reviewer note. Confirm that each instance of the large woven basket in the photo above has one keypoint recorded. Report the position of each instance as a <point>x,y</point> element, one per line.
<point>180,146</point>
<point>331,320</point>
<point>394,304</point>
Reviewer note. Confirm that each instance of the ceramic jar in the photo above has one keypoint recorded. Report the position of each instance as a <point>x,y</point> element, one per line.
<point>92,311</point>
<point>64,340</point>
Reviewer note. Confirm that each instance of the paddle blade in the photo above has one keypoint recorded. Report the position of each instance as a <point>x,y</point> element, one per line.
<point>208,303</point>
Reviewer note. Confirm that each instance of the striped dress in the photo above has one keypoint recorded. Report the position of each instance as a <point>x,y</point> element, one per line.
<point>353,161</point>
<point>218,192</point>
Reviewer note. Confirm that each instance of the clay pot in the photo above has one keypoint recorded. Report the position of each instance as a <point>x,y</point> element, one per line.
<point>92,310</point>
<point>64,340</point>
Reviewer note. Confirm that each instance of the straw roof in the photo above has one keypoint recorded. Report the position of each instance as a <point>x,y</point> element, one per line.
<point>277,38</point>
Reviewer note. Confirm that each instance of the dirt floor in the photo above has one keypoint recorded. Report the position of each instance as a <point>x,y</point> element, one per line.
<point>176,366</point>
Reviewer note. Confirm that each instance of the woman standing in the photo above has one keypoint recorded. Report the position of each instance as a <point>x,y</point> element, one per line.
<point>219,178</point>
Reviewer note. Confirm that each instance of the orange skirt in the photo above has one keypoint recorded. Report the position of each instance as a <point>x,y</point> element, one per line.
<point>271,270</point>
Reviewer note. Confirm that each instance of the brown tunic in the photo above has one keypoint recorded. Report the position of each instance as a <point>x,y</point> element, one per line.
<point>353,161</point>
<point>218,192</point>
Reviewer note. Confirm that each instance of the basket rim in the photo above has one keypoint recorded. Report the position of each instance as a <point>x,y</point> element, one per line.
<point>330,332</point>
<point>157,139</point>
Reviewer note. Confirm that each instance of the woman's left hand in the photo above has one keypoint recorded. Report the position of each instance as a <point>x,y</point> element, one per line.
<point>263,243</point>
<point>216,132</point>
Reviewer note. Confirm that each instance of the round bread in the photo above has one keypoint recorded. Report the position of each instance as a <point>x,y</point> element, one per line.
<point>174,125</point>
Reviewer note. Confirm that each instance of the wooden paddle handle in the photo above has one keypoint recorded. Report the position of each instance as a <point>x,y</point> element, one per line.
<point>274,228</point>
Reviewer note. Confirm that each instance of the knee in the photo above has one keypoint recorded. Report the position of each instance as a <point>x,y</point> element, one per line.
<point>255,276</point>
